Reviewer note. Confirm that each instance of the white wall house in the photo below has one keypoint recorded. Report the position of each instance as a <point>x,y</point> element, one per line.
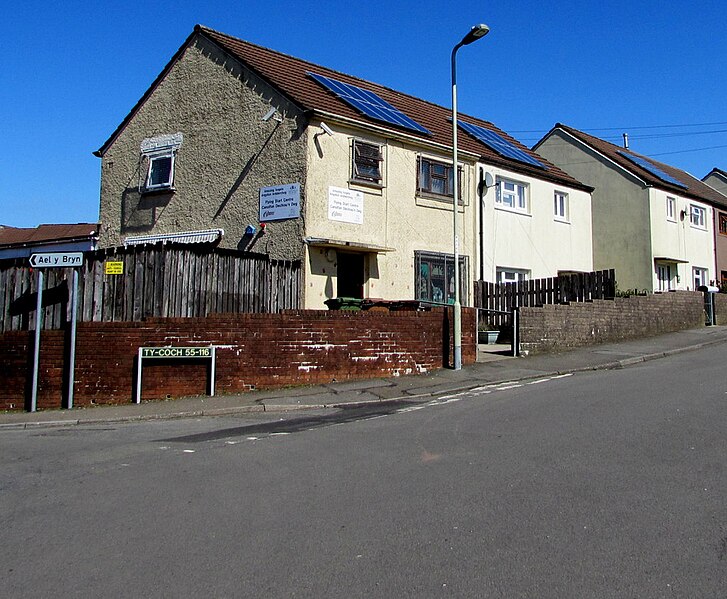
<point>653,223</point>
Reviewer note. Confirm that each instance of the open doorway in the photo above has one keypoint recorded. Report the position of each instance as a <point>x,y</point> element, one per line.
<point>351,275</point>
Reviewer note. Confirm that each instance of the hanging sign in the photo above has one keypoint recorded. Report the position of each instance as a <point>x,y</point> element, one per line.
<point>279,202</point>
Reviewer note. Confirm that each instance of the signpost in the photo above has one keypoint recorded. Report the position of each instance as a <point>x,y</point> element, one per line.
<point>55,260</point>
<point>172,353</point>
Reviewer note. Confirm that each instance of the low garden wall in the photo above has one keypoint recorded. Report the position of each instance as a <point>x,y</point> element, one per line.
<point>561,327</point>
<point>254,351</point>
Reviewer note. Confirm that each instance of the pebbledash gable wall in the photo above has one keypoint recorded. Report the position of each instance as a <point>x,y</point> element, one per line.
<point>255,351</point>
<point>561,327</point>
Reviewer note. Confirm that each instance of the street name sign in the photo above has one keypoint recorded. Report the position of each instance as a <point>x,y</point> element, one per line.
<point>176,352</point>
<point>56,260</point>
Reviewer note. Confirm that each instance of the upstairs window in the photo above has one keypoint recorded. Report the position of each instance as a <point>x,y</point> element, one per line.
<point>436,178</point>
<point>723,223</point>
<point>560,206</point>
<point>366,162</point>
<point>161,171</point>
<point>671,209</point>
<point>697,216</point>
<point>512,195</point>
<point>160,154</point>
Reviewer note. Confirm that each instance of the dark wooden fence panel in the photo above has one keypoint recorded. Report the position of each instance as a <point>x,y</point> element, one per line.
<point>581,287</point>
<point>162,280</point>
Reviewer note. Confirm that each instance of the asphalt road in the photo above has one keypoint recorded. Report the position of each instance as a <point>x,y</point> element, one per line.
<point>600,484</point>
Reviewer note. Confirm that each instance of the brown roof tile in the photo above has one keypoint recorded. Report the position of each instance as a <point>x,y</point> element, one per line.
<point>693,187</point>
<point>46,233</point>
<point>288,75</point>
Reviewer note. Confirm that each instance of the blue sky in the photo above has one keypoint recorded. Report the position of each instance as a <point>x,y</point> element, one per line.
<point>654,69</point>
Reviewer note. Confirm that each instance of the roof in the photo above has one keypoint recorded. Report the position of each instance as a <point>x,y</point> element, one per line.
<point>289,76</point>
<point>46,234</point>
<point>693,187</point>
<point>716,171</point>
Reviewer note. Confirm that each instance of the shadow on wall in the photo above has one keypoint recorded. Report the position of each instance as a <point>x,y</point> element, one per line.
<point>141,211</point>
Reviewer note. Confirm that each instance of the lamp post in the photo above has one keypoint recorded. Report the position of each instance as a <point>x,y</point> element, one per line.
<point>474,34</point>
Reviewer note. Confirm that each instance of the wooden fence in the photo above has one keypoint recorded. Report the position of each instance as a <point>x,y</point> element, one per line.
<point>500,298</point>
<point>161,280</point>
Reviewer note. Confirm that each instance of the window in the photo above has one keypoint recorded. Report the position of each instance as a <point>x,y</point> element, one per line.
<point>161,171</point>
<point>512,195</point>
<point>160,153</point>
<point>366,162</point>
<point>700,276</point>
<point>436,178</point>
<point>697,216</point>
<point>435,277</point>
<point>560,206</point>
<point>671,209</point>
<point>511,275</point>
<point>723,223</point>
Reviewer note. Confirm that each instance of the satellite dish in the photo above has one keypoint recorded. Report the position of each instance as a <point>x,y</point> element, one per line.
<point>489,180</point>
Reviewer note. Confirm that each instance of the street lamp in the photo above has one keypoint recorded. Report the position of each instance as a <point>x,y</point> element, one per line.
<point>474,34</point>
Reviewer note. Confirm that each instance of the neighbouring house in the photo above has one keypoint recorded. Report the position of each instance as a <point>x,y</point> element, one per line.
<point>655,224</point>
<point>22,242</point>
<point>718,180</point>
<point>260,151</point>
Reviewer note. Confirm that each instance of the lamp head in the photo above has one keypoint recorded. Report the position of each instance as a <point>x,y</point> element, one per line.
<point>476,33</point>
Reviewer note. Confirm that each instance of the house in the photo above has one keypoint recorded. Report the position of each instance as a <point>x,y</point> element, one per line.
<point>22,242</point>
<point>656,225</point>
<point>717,179</point>
<point>263,152</point>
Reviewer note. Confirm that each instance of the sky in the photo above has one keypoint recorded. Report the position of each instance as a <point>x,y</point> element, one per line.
<point>653,69</point>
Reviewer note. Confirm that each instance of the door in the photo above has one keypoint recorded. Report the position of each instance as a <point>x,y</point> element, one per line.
<point>351,275</point>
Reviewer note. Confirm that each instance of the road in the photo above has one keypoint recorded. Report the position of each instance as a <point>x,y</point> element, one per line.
<point>599,484</point>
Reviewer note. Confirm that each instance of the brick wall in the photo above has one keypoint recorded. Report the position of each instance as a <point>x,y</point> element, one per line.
<point>561,327</point>
<point>255,351</point>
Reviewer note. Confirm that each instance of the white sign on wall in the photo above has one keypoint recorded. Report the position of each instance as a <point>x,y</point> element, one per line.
<point>279,202</point>
<point>345,205</point>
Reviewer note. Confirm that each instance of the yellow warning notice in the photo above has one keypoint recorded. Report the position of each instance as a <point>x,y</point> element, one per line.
<point>113,268</point>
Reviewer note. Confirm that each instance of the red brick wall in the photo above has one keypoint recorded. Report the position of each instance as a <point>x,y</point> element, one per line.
<point>561,327</point>
<point>254,351</point>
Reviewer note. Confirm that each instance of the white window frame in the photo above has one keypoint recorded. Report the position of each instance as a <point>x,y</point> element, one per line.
<point>698,216</point>
<point>512,195</point>
<point>511,275</point>
<point>169,182</point>
<point>671,209</point>
<point>561,206</point>
<point>700,276</point>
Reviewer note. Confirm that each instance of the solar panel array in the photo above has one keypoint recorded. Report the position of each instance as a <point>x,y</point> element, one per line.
<point>654,170</point>
<point>498,143</point>
<point>368,103</point>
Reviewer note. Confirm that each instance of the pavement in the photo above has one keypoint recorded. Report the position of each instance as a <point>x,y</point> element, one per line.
<point>492,367</point>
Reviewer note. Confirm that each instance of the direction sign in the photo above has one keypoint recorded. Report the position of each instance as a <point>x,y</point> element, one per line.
<point>56,260</point>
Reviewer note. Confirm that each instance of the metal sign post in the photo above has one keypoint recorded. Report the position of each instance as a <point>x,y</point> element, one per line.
<point>36,347</point>
<point>55,260</point>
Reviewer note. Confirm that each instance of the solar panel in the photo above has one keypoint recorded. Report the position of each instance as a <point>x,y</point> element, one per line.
<point>654,170</point>
<point>498,143</point>
<point>368,103</point>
